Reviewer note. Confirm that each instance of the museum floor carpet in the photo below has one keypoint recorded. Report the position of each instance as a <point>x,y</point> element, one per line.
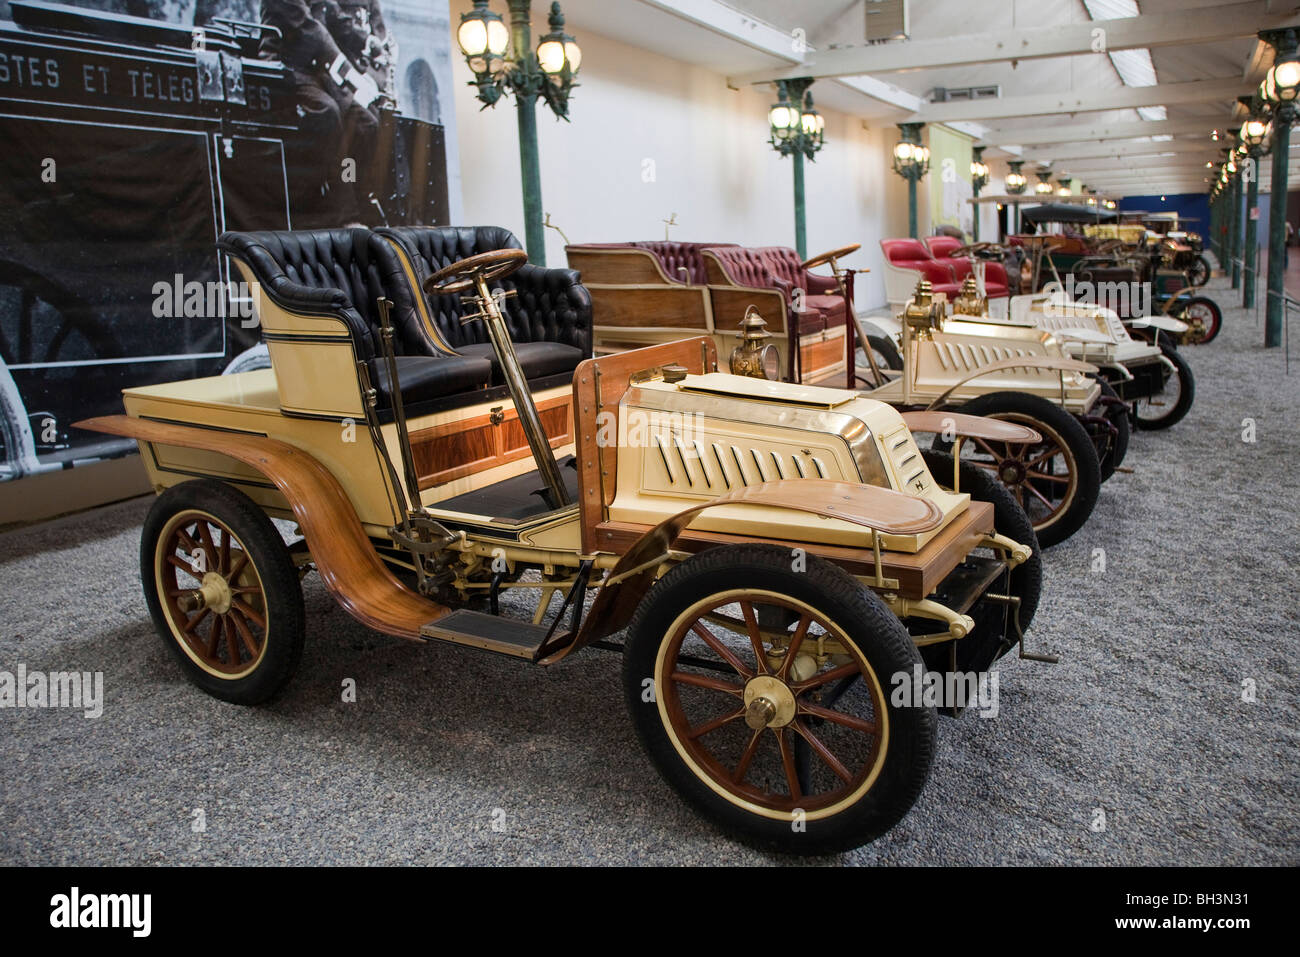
<point>1138,748</point>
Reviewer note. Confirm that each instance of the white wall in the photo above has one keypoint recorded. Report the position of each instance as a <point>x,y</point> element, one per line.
<point>707,145</point>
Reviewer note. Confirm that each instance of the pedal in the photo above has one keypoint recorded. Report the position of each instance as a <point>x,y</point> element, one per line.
<point>503,636</point>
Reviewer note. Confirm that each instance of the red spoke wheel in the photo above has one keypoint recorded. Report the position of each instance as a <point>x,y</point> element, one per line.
<point>1055,481</point>
<point>222,590</point>
<point>761,687</point>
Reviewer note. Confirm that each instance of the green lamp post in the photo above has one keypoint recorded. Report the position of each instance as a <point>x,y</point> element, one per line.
<point>911,161</point>
<point>979,176</point>
<point>1016,183</point>
<point>1279,90</point>
<point>504,61</point>
<point>1254,131</point>
<point>1234,216</point>
<point>796,130</point>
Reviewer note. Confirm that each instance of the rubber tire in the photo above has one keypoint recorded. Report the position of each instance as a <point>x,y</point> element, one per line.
<point>876,631</point>
<point>1213,329</point>
<point>885,346</point>
<point>1185,396</point>
<point>1119,418</point>
<point>286,618</point>
<point>1199,274</point>
<point>1077,441</point>
<point>985,645</point>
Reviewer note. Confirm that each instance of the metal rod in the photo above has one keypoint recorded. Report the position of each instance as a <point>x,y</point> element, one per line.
<point>399,411</point>
<point>523,399</point>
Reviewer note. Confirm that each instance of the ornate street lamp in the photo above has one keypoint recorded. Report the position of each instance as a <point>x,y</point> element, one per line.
<point>1279,90</point>
<point>1253,134</point>
<point>1016,183</point>
<point>504,62</point>
<point>1063,186</point>
<point>1044,185</point>
<point>979,177</point>
<point>911,161</point>
<point>796,130</point>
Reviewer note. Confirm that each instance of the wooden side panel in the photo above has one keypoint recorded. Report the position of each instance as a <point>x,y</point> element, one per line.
<point>598,386</point>
<point>649,306</point>
<point>617,265</point>
<point>479,443</point>
<point>730,303</point>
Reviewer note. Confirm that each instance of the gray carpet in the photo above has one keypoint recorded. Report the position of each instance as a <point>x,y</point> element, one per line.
<point>1143,717</point>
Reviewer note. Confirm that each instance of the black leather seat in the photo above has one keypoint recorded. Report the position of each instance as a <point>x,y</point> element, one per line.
<point>343,273</point>
<point>549,318</point>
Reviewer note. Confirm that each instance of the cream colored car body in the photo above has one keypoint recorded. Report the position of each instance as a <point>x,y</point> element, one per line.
<point>950,356</point>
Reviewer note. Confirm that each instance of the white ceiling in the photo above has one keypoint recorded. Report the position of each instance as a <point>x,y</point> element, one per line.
<point>748,36</point>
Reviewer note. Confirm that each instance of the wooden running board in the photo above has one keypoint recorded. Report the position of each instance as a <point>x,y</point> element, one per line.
<point>347,561</point>
<point>505,636</point>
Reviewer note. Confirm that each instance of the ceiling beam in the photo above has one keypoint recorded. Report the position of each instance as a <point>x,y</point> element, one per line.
<point>1206,25</point>
<point>1040,135</point>
<point>1068,153</point>
<point>1085,101</point>
<point>1171,163</point>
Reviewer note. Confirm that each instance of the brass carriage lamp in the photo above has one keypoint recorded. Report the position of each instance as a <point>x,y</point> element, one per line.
<point>753,357</point>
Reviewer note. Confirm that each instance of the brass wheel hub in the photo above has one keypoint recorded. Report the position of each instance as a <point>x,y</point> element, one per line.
<point>1011,472</point>
<point>769,703</point>
<point>213,592</point>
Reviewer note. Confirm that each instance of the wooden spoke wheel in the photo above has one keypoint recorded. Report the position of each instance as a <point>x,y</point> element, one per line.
<point>769,709</point>
<point>222,590</point>
<point>1055,480</point>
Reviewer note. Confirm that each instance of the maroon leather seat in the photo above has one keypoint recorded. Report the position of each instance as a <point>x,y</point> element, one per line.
<point>682,262</point>
<point>821,293</point>
<point>751,268</point>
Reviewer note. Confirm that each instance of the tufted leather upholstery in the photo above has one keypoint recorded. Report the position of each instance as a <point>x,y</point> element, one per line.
<point>779,267</point>
<point>343,273</point>
<point>674,257</point>
<point>550,305</point>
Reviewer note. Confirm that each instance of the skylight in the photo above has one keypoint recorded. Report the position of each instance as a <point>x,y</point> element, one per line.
<point>1133,66</point>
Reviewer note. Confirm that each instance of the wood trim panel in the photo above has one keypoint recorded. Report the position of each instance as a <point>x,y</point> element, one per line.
<point>646,306</point>
<point>918,575</point>
<point>478,444</point>
<point>618,265</point>
<point>730,303</point>
<point>598,386</point>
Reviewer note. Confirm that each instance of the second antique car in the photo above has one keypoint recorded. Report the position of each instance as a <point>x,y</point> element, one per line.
<point>779,556</point>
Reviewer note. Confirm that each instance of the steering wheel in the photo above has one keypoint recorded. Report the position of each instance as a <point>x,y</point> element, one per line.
<point>827,257</point>
<point>981,250</point>
<point>461,275</point>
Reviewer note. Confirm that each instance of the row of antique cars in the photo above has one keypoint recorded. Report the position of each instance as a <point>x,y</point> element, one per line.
<point>696,454</point>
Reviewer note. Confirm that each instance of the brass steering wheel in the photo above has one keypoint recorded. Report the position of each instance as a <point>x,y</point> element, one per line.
<point>828,257</point>
<point>464,273</point>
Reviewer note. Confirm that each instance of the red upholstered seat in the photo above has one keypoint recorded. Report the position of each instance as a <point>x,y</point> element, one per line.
<point>942,247</point>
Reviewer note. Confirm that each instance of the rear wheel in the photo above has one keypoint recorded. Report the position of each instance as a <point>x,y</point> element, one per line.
<point>785,735</point>
<point>1173,401</point>
<point>989,641</point>
<point>222,590</point>
<point>1112,447</point>
<point>1055,480</point>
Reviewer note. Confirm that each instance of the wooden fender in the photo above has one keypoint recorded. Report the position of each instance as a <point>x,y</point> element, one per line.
<point>347,561</point>
<point>970,427</point>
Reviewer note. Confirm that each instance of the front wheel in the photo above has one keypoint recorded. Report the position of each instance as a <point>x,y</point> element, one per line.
<point>1112,447</point>
<point>759,682</point>
<point>1198,273</point>
<point>1204,317</point>
<point>222,590</point>
<point>1055,480</point>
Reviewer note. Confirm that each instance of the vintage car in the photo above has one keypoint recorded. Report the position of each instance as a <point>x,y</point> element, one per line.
<point>1154,380</point>
<point>1019,373</point>
<point>781,556</point>
<point>648,292</point>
